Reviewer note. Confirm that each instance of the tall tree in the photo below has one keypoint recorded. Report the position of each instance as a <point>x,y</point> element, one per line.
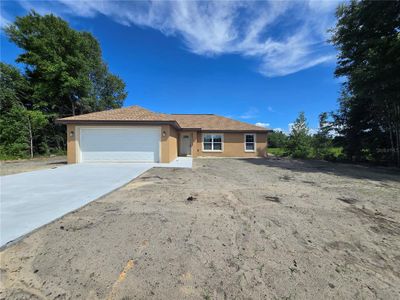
<point>298,144</point>
<point>65,71</point>
<point>322,140</point>
<point>277,139</point>
<point>20,123</point>
<point>367,35</point>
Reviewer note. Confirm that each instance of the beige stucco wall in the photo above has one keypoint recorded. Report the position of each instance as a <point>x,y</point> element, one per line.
<point>233,146</point>
<point>169,143</point>
<point>71,149</point>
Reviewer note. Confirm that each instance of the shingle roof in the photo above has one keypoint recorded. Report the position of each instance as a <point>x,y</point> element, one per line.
<point>185,121</point>
<point>213,122</point>
<point>131,113</point>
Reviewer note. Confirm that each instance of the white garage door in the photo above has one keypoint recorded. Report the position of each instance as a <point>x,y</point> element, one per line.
<point>130,144</point>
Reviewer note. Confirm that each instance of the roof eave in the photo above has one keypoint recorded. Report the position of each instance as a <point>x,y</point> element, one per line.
<point>118,122</point>
<point>237,130</point>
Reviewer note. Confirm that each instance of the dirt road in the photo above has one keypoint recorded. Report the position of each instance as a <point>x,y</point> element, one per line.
<point>26,165</point>
<point>228,229</point>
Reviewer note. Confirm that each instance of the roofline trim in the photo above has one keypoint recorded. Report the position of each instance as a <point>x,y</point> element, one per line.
<point>153,122</point>
<point>237,130</point>
<point>119,122</point>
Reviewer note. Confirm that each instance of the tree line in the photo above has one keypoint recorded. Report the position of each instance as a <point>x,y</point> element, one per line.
<point>64,74</point>
<point>301,143</point>
<point>367,123</point>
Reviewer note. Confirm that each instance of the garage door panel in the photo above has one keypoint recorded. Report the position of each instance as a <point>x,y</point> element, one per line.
<point>140,144</point>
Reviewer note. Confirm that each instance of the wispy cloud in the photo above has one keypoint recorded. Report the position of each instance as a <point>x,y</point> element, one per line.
<point>251,113</point>
<point>5,19</point>
<point>284,36</point>
<point>265,125</point>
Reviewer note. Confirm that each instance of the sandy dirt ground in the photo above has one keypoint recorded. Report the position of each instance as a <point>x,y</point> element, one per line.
<point>27,165</point>
<point>228,229</point>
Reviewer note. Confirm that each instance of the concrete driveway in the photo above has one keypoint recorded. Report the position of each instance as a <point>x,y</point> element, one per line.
<point>31,200</point>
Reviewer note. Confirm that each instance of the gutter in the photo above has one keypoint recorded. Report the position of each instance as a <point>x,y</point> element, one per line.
<point>118,122</point>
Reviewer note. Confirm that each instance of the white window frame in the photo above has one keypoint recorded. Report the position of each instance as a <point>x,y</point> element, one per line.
<point>244,142</point>
<point>212,142</point>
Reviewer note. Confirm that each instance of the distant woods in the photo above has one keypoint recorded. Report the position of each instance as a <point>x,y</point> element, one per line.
<point>367,36</point>
<point>301,142</point>
<point>64,74</point>
<point>367,124</point>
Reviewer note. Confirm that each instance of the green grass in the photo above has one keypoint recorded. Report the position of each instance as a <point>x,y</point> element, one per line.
<point>276,151</point>
<point>336,151</point>
<point>4,157</point>
<point>333,153</point>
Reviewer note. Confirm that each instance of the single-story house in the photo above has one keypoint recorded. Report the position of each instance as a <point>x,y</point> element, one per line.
<point>135,134</point>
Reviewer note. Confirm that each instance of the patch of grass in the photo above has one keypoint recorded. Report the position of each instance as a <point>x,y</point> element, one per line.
<point>333,153</point>
<point>5,157</point>
<point>336,151</point>
<point>276,151</point>
<point>11,157</point>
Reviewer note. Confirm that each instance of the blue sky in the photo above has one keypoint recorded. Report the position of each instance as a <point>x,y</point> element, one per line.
<point>259,62</point>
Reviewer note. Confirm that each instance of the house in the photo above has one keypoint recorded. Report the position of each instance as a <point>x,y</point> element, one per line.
<point>135,134</point>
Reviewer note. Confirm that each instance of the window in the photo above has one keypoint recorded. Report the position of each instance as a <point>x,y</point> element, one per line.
<point>249,142</point>
<point>212,142</point>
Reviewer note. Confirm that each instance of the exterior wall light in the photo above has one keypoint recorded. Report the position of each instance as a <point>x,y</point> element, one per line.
<point>164,133</point>
<point>72,133</point>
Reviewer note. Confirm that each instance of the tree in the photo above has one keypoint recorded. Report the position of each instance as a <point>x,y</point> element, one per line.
<point>14,88</point>
<point>322,140</point>
<point>368,39</point>
<point>277,139</point>
<point>298,144</point>
<point>65,72</point>
<point>19,126</point>
<point>19,129</point>
<point>108,91</point>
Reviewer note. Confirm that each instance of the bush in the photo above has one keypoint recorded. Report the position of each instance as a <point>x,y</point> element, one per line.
<point>277,139</point>
<point>276,151</point>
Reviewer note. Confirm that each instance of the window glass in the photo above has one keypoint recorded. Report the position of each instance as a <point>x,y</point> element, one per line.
<point>217,138</point>
<point>212,142</point>
<point>207,138</point>
<point>250,146</point>
<point>250,138</point>
<point>217,146</point>
<point>207,146</point>
<point>249,142</point>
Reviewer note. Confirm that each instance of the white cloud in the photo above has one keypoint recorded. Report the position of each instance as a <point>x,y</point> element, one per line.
<point>265,125</point>
<point>5,19</point>
<point>251,113</point>
<point>279,129</point>
<point>313,131</point>
<point>284,36</point>
<point>290,126</point>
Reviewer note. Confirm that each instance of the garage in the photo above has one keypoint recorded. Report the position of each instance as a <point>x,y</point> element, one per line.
<point>122,144</point>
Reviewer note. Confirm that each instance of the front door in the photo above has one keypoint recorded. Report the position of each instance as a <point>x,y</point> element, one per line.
<point>186,144</point>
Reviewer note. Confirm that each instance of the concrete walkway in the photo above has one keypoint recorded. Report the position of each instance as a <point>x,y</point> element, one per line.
<point>33,199</point>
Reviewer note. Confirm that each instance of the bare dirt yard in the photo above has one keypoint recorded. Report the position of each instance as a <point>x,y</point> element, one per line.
<point>228,229</point>
<point>26,165</point>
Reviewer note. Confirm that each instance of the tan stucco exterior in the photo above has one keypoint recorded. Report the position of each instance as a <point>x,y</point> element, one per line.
<point>233,145</point>
<point>71,146</point>
<point>169,143</point>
